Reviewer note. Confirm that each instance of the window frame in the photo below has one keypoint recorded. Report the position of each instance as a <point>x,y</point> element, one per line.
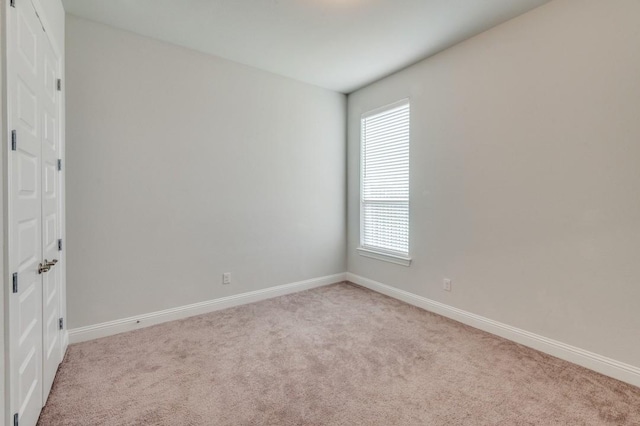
<point>379,253</point>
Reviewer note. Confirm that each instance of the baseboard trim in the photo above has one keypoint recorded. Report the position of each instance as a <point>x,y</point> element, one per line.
<point>110,328</point>
<point>607,366</point>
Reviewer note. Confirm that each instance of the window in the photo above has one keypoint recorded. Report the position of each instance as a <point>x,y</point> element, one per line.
<point>384,192</point>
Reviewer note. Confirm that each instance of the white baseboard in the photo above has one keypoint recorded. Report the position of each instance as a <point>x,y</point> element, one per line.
<point>96,331</point>
<point>607,366</point>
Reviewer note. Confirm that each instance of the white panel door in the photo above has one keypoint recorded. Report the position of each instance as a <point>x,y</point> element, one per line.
<point>50,215</point>
<point>24,33</point>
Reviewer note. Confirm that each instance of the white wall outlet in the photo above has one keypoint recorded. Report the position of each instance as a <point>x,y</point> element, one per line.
<point>446,284</point>
<point>226,278</point>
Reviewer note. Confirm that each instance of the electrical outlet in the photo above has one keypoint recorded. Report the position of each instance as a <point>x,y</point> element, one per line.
<point>226,278</point>
<point>446,284</point>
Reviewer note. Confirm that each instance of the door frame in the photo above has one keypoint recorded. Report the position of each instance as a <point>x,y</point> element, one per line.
<point>4,384</point>
<point>5,273</point>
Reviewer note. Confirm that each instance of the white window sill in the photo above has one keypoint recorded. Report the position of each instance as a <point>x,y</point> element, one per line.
<point>386,257</point>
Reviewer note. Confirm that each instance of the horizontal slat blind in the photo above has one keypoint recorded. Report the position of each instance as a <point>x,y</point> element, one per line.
<point>385,179</point>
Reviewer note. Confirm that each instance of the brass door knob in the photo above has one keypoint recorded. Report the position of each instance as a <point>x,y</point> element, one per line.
<point>52,263</point>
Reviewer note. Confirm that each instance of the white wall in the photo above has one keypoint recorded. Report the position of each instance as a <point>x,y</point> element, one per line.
<point>183,166</point>
<point>525,177</point>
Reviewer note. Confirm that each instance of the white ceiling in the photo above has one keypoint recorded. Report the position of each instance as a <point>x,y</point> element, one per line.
<point>340,45</point>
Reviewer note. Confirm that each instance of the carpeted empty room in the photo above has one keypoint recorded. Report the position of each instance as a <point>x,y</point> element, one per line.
<point>320,212</point>
<point>336,355</point>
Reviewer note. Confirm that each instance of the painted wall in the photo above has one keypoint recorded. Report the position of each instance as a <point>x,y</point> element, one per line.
<point>183,166</point>
<point>525,177</point>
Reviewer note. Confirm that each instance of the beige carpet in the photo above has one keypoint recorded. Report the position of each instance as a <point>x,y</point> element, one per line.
<point>337,355</point>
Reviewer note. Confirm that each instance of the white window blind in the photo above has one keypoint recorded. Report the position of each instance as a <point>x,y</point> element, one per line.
<point>385,180</point>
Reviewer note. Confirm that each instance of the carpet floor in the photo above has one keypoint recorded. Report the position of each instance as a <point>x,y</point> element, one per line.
<point>336,355</point>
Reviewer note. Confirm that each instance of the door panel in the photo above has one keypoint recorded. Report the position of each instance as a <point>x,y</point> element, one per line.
<point>25,211</point>
<point>26,107</point>
<point>27,175</point>
<point>50,214</point>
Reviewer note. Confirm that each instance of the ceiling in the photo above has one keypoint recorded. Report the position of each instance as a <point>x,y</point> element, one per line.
<point>340,45</point>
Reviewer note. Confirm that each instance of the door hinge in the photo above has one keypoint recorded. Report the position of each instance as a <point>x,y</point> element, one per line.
<point>61,323</point>
<point>15,416</point>
<point>15,282</point>
<point>59,85</point>
<point>14,140</point>
<point>59,164</point>
<point>60,244</point>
